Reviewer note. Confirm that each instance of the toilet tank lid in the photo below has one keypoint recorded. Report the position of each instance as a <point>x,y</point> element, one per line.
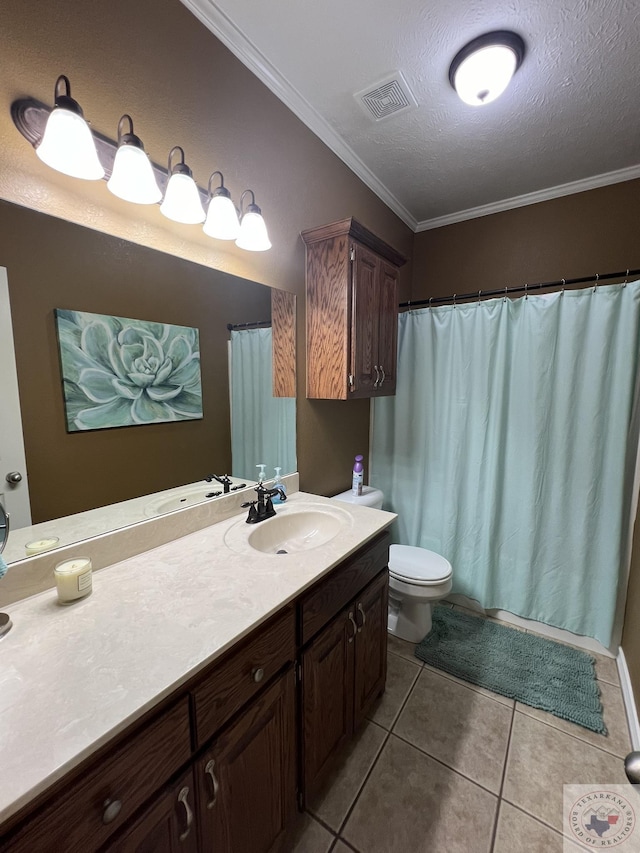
<point>369,497</point>
<point>410,562</point>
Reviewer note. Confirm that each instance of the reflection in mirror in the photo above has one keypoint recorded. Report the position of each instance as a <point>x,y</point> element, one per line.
<point>56,264</point>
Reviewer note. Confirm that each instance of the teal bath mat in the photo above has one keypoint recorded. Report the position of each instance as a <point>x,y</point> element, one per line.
<point>525,667</point>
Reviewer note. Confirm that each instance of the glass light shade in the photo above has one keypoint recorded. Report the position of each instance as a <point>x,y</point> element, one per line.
<point>253,233</point>
<point>132,178</point>
<point>484,75</point>
<point>182,200</point>
<point>68,147</point>
<point>222,219</point>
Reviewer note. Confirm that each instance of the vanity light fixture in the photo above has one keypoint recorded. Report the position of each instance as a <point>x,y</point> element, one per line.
<point>132,178</point>
<point>182,198</point>
<point>483,69</point>
<point>253,232</point>
<point>67,144</point>
<point>222,217</point>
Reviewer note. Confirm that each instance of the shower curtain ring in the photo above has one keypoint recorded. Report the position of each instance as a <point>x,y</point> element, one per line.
<point>526,291</point>
<point>454,300</point>
<point>505,293</point>
<point>563,284</point>
<point>595,286</point>
<point>430,300</point>
<point>626,279</point>
<point>479,295</point>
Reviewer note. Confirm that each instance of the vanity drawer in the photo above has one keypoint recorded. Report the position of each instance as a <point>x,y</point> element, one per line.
<point>231,683</point>
<point>83,815</point>
<point>333,593</point>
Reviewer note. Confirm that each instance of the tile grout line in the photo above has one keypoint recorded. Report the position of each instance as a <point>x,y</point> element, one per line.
<point>538,820</point>
<point>569,734</point>
<point>377,758</point>
<point>504,776</point>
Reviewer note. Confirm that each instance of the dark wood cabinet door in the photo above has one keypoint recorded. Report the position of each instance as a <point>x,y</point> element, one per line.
<point>370,669</point>
<point>327,697</point>
<point>364,321</point>
<point>387,329</point>
<point>167,826</point>
<point>247,780</point>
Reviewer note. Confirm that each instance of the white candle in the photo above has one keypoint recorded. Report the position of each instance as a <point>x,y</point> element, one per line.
<point>73,579</point>
<point>40,545</point>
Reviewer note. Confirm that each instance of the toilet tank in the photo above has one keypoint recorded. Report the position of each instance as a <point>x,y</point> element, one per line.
<point>369,497</point>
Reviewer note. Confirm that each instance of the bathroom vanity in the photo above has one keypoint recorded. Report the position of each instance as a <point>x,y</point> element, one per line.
<point>198,696</point>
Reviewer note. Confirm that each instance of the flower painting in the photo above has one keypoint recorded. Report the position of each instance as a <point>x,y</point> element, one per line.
<point>118,372</point>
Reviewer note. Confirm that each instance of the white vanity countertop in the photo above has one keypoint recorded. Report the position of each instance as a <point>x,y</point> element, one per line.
<point>71,678</point>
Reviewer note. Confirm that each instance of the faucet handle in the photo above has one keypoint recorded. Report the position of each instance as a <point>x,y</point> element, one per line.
<point>252,517</point>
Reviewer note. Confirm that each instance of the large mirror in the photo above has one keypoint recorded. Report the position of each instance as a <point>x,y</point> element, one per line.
<point>53,264</point>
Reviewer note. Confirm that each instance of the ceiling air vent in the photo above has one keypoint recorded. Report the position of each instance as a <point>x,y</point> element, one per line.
<point>387,97</point>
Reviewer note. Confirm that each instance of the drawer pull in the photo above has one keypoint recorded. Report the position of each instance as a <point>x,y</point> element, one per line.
<point>375,384</point>
<point>355,627</point>
<point>182,798</point>
<point>214,782</point>
<point>364,618</point>
<point>111,810</point>
<point>257,673</point>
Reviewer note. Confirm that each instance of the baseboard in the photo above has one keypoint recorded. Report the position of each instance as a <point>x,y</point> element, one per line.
<point>629,700</point>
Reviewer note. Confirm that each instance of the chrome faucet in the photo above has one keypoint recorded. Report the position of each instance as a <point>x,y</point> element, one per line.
<point>262,508</point>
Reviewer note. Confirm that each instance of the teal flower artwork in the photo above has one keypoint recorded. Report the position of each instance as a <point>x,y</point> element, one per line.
<point>119,372</point>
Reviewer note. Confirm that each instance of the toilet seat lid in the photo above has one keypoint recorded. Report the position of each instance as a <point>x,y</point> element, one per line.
<point>406,562</point>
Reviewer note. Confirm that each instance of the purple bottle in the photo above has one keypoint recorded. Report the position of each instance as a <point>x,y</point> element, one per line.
<point>358,476</point>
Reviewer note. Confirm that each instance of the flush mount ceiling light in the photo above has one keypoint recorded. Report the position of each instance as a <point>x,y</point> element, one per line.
<point>182,198</point>
<point>253,232</point>
<point>482,70</point>
<point>132,178</point>
<point>67,144</point>
<point>222,217</point>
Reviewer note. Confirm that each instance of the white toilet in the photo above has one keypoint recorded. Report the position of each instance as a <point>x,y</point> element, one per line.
<point>418,578</point>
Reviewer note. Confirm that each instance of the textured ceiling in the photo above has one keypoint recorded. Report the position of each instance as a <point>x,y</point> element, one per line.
<point>571,115</point>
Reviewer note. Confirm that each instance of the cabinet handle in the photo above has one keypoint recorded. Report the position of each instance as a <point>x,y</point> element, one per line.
<point>257,673</point>
<point>383,376</point>
<point>208,769</point>
<point>111,810</point>
<point>364,618</point>
<point>182,798</point>
<point>375,384</point>
<point>355,627</point>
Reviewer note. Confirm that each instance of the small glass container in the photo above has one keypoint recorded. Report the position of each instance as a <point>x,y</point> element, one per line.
<point>39,546</point>
<point>73,579</point>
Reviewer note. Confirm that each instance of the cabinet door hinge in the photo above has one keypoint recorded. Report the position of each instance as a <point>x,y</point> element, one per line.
<point>351,381</point>
<point>299,673</point>
<point>352,254</point>
<point>300,799</point>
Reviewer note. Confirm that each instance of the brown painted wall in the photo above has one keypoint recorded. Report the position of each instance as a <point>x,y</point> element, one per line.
<point>56,264</point>
<point>182,86</point>
<point>579,235</point>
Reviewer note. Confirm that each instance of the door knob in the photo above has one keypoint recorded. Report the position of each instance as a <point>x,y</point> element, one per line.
<point>13,478</point>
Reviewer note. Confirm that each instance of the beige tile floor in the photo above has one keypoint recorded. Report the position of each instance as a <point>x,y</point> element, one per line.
<point>444,766</point>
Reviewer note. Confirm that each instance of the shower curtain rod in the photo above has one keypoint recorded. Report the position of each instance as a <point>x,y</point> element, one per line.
<point>232,327</point>
<point>505,291</point>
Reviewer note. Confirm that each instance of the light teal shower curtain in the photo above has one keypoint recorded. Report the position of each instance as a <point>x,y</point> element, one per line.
<point>263,427</point>
<point>507,448</point>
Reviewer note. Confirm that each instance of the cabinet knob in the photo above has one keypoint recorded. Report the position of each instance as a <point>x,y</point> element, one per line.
<point>188,814</point>
<point>257,673</point>
<point>111,810</point>
<point>364,618</point>
<point>208,769</point>
<point>355,627</point>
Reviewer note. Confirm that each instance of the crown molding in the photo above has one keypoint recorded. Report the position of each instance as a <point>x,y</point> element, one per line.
<point>607,178</point>
<point>243,48</point>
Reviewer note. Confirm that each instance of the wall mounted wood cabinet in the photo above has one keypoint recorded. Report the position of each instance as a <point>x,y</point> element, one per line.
<point>352,312</point>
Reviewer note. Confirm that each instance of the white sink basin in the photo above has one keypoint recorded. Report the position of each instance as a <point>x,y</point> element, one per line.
<point>296,528</point>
